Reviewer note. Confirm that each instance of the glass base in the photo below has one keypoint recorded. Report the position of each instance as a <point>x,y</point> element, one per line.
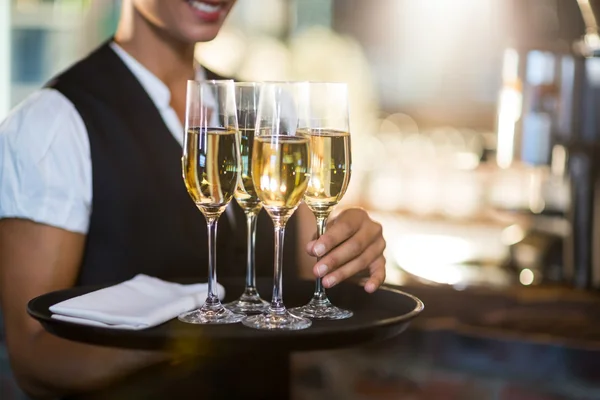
<point>321,309</point>
<point>211,314</point>
<point>248,303</point>
<point>277,321</point>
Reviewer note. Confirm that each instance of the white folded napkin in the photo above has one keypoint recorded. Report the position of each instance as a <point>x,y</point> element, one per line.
<point>139,303</point>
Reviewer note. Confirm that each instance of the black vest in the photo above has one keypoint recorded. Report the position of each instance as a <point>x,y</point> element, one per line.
<point>142,219</point>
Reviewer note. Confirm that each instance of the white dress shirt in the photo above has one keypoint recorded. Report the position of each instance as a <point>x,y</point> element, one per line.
<point>45,162</point>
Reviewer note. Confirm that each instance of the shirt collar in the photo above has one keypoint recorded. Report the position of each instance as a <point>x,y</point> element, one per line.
<point>159,92</point>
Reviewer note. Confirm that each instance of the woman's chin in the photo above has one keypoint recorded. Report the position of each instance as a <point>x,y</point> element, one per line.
<point>200,34</point>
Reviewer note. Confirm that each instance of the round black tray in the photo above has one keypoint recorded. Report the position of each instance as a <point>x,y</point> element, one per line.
<point>377,316</point>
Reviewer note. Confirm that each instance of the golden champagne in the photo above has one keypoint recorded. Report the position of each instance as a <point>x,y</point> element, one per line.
<point>280,172</point>
<point>245,194</point>
<point>210,168</point>
<point>330,170</point>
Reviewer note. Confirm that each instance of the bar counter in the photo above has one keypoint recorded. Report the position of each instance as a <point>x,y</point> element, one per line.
<point>516,343</point>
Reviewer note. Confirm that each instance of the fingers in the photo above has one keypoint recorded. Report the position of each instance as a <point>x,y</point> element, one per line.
<point>356,264</point>
<point>352,249</point>
<point>377,269</point>
<point>352,243</point>
<point>339,230</point>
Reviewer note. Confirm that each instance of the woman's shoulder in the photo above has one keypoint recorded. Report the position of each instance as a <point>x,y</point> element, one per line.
<point>45,165</point>
<point>37,120</point>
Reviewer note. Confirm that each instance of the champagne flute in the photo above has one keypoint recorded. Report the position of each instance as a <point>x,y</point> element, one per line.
<point>280,174</point>
<point>245,195</point>
<point>211,167</point>
<point>330,175</point>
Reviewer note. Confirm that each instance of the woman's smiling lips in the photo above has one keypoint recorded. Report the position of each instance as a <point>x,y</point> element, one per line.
<point>208,11</point>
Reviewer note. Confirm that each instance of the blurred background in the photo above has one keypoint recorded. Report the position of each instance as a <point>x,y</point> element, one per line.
<point>467,146</point>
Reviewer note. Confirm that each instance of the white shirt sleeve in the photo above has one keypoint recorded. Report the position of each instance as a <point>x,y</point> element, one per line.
<point>45,164</point>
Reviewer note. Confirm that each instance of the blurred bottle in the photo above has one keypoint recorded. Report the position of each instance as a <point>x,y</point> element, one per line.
<point>556,128</point>
<point>582,250</point>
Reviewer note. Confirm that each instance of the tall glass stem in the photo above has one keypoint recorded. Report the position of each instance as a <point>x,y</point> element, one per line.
<point>251,219</point>
<point>249,301</point>
<point>212,311</point>
<point>277,317</point>
<point>320,307</point>
<point>212,298</point>
<point>277,300</point>
<point>320,295</point>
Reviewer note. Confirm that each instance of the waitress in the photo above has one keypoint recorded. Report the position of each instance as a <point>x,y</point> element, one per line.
<point>91,193</point>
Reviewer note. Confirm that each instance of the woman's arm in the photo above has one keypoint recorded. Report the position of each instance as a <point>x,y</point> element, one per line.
<point>36,259</point>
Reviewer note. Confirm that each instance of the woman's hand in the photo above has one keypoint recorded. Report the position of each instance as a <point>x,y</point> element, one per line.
<point>352,242</point>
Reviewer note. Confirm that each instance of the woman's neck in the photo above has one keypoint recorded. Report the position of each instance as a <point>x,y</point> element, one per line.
<point>168,59</point>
